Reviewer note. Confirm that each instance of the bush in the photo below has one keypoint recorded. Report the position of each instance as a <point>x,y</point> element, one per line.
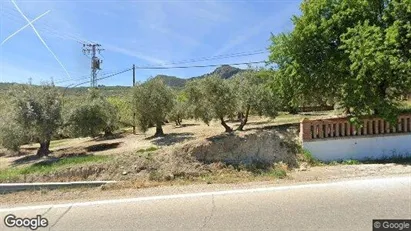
<point>92,117</point>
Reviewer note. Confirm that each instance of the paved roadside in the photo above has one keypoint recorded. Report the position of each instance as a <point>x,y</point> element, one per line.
<point>310,175</point>
<point>340,205</point>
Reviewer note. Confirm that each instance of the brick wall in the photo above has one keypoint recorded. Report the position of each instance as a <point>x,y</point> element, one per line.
<point>311,130</point>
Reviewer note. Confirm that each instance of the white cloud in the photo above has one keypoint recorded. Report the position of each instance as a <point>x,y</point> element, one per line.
<point>132,53</point>
<point>276,20</point>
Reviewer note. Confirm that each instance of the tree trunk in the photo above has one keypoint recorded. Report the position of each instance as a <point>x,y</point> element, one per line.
<point>227,128</point>
<point>108,133</point>
<point>159,130</point>
<point>244,119</point>
<point>240,116</point>
<point>44,148</point>
<point>347,110</point>
<point>293,110</point>
<point>382,90</point>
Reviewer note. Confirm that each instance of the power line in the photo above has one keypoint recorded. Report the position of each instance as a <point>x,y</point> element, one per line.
<point>101,78</point>
<point>234,55</point>
<point>129,69</point>
<point>197,66</point>
<point>83,77</point>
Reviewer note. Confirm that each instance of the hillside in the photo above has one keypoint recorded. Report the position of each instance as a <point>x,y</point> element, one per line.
<point>172,81</point>
<point>225,72</point>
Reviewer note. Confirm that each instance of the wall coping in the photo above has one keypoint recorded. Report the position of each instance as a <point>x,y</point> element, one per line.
<point>358,137</point>
<point>333,128</point>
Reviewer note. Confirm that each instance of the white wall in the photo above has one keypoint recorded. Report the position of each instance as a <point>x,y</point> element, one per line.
<point>374,147</point>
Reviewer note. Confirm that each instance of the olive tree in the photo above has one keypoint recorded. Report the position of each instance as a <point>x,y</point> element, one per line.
<point>153,100</point>
<point>252,94</point>
<point>35,116</point>
<point>92,117</point>
<point>180,107</point>
<point>211,98</point>
<point>124,108</point>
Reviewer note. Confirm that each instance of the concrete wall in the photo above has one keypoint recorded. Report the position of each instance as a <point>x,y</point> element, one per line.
<point>359,148</point>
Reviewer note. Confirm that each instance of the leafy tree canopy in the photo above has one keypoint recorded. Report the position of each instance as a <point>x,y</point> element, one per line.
<point>153,100</point>
<point>211,98</point>
<point>357,51</point>
<point>93,116</point>
<point>35,116</point>
<point>251,93</point>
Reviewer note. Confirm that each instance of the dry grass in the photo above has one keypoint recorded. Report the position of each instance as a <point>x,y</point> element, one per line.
<point>135,156</point>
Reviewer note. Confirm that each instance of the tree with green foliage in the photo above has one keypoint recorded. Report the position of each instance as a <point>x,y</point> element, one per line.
<point>211,98</point>
<point>93,116</point>
<point>124,108</point>
<point>252,94</point>
<point>35,116</point>
<point>153,100</point>
<point>179,111</point>
<point>357,51</point>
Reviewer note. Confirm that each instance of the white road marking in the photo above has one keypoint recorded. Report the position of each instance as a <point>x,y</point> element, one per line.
<point>216,193</point>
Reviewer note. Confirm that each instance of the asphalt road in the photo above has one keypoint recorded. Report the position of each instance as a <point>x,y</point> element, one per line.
<point>343,205</point>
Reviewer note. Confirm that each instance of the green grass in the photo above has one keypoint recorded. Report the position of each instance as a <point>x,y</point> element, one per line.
<point>394,159</point>
<point>350,162</point>
<point>56,143</point>
<point>48,167</point>
<point>277,172</point>
<point>310,159</point>
<point>150,149</point>
<point>405,107</point>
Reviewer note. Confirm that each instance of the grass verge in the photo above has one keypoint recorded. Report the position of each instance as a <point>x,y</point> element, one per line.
<point>395,159</point>
<point>48,166</point>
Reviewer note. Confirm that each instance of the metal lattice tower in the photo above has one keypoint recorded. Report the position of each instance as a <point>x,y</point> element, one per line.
<point>95,61</point>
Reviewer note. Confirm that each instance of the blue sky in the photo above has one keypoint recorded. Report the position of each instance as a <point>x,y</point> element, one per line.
<point>144,33</point>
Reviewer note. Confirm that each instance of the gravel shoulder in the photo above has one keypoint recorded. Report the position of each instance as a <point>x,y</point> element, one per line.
<point>300,176</point>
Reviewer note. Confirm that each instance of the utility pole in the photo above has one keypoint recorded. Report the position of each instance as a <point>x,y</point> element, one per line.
<point>95,61</point>
<point>134,111</point>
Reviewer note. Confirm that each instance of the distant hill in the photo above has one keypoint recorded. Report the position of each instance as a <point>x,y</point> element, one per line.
<point>172,81</point>
<point>224,71</point>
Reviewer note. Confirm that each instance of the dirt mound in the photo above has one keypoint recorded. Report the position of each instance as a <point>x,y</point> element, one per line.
<point>266,146</point>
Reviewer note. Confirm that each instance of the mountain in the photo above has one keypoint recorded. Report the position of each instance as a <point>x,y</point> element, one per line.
<point>172,81</point>
<point>224,72</point>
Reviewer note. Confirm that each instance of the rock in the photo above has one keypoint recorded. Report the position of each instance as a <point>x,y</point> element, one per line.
<point>169,177</point>
<point>124,172</point>
<point>303,167</point>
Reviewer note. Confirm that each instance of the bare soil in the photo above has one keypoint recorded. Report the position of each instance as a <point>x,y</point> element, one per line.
<point>126,142</point>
